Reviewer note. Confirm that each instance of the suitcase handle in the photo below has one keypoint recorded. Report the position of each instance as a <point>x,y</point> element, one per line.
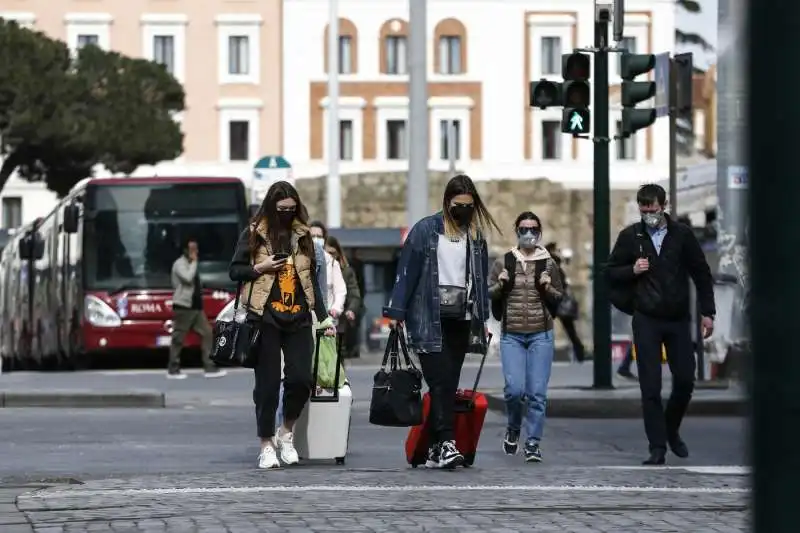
<point>314,396</point>
<point>480,371</point>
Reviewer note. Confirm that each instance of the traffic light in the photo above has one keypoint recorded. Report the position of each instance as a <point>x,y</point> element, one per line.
<point>576,93</point>
<point>634,92</point>
<point>544,94</point>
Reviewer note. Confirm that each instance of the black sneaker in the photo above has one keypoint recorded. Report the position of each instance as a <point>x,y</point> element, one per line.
<point>449,456</point>
<point>627,374</point>
<point>533,454</point>
<point>511,442</point>
<point>434,452</point>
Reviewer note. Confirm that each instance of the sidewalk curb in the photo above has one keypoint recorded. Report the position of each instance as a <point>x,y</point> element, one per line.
<point>82,399</point>
<point>631,408</point>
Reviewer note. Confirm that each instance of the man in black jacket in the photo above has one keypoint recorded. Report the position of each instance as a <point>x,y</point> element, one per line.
<point>652,261</point>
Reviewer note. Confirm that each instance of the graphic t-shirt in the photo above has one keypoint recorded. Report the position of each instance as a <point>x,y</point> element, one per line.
<point>287,304</point>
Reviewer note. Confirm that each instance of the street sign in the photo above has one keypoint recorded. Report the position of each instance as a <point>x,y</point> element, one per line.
<point>662,85</point>
<point>267,171</point>
<point>738,178</point>
<point>576,122</point>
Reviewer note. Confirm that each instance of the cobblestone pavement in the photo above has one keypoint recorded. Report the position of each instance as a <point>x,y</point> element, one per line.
<point>324,498</point>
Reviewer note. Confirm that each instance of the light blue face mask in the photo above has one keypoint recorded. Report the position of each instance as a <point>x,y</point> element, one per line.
<point>528,237</point>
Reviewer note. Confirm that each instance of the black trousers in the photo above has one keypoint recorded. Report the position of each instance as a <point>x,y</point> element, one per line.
<point>625,365</point>
<point>298,347</point>
<point>649,333</point>
<point>572,333</point>
<point>442,373</point>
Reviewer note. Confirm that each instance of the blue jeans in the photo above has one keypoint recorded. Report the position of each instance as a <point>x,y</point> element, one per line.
<point>527,360</point>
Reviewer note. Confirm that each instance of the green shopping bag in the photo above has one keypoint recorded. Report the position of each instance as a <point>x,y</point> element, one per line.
<point>328,355</point>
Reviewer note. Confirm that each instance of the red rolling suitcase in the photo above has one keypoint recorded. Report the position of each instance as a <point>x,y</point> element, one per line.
<point>471,408</point>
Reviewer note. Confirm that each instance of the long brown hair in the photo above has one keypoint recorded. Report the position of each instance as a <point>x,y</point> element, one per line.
<point>333,242</point>
<point>268,213</point>
<point>482,221</point>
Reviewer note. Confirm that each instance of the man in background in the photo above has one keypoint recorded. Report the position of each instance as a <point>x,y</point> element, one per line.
<point>188,314</point>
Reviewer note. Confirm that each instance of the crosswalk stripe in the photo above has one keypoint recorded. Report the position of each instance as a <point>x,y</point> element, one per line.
<point>396,488</point>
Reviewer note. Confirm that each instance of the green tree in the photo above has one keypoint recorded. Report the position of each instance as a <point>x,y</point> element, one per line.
<point>60,117</point>
<point>682,37</point>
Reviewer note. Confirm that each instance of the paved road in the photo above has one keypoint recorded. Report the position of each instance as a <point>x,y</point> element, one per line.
<point>189,468</point>
<point>192,470</point>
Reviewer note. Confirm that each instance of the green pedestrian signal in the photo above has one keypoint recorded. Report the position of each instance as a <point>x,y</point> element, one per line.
<point>576,93</point>
<point>576,121</point>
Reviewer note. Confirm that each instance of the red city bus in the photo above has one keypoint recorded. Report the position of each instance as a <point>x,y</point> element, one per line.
<point>92,279</point>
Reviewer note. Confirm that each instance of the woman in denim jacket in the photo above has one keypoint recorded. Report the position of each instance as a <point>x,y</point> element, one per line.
<point>441,294</point>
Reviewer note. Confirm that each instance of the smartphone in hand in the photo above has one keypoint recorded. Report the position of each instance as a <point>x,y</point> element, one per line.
<point>281,256</point>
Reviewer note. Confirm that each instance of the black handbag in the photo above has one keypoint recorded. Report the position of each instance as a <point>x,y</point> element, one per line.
<point>568,308</point>
<point>235,343</point>
<point>396,392</point>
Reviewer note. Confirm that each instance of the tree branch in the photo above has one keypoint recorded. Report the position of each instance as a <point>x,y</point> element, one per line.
<point>10,164</point>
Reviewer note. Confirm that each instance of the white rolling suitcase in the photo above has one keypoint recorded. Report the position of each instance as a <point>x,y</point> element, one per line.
<point>323,429</point>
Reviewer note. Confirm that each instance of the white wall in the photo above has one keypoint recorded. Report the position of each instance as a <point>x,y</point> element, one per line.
<point>37,201</point>
<point>495,37</point>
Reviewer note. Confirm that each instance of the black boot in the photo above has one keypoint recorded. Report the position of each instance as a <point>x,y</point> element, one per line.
<point>657,457</point>
<point>678,447</point>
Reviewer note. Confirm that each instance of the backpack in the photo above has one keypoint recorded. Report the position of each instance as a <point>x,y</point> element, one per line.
<point>551,302</point>
<point>500,304</point>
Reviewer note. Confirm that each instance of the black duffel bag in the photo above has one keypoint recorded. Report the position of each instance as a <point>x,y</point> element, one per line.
<point>235,342</point>
<point>397,392</point>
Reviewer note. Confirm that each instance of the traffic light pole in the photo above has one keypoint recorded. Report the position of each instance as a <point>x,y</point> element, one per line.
<point>673,140</point>
<point>774,369</point>
<point>601,313</point>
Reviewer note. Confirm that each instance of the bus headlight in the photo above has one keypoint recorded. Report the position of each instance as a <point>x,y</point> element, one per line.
<point>99,313</point>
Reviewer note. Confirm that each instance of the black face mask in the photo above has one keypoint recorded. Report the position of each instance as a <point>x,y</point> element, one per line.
<point>285,218</point>
<point>462,214</point>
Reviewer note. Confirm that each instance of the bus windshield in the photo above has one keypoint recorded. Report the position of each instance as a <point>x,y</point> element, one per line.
<point>134,233</point>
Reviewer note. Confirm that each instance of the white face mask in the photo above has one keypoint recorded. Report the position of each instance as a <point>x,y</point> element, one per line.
<point>652,220</point>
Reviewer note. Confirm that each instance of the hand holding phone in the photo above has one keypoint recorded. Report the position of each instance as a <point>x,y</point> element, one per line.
<point>272,263</point>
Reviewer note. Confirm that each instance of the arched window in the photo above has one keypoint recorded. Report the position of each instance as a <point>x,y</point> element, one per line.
<point>450,52</point>
<point>394,47</point>
<point>348,47</point>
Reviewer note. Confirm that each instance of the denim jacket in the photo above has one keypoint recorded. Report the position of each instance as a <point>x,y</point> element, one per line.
<point>415,297</point>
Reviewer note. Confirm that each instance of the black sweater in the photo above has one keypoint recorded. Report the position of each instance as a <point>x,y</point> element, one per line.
<point>663,291</point>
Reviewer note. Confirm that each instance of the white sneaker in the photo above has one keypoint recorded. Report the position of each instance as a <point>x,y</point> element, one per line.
<point>268,458</point>
<point>176,375</point>
<point>216,374</point>
<point>286,446</point>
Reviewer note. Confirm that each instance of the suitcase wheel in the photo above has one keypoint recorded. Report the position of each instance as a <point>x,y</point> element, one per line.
<point>414,465</point>
<point>340,460</point>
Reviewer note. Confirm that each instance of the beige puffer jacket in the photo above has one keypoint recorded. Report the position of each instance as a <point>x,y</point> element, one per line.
<point>263,285</point>
<point>526,312</point>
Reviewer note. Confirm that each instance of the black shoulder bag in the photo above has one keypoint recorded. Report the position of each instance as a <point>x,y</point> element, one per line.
<point>396,392</point>
<point>235,342</point>
<point>623,295</point>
